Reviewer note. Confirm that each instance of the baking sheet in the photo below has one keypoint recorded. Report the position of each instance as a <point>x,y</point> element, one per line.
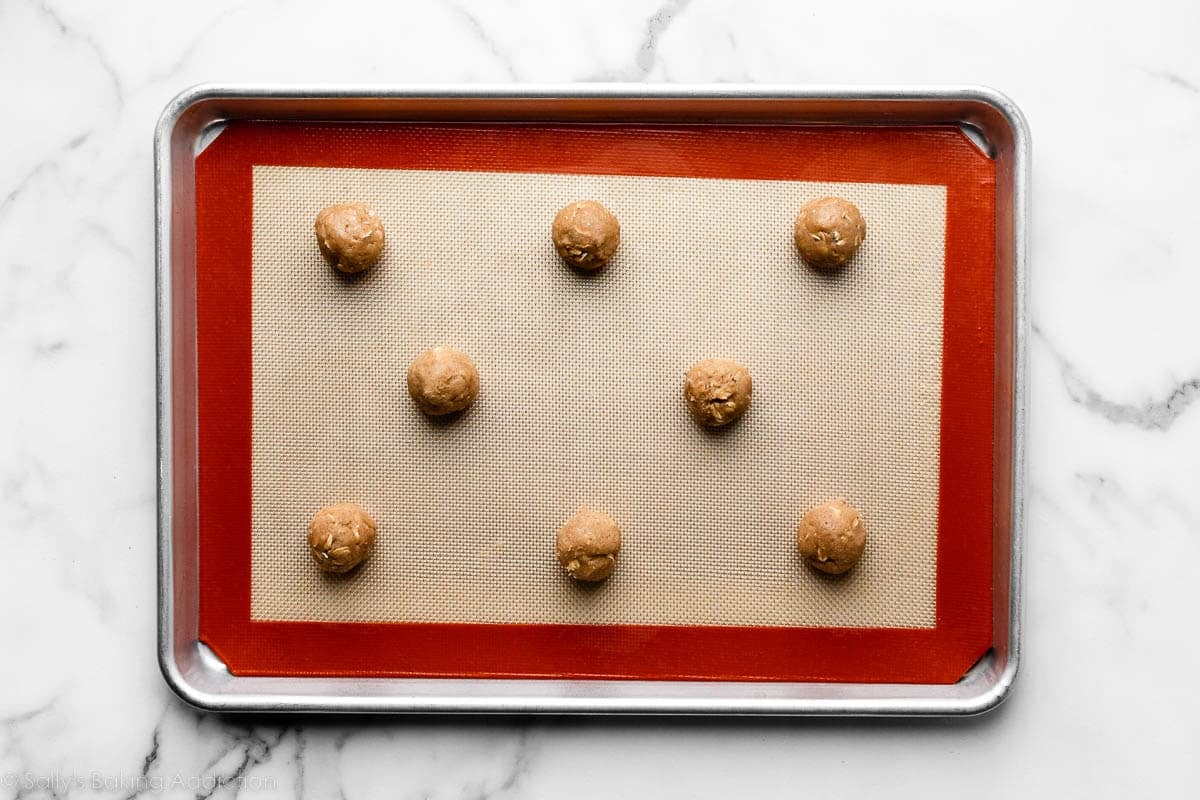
<point>215,656</point>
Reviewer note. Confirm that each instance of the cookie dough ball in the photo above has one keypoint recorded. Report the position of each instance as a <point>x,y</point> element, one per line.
<point>831,537</point>
<point>585,234</point>
<point>829,232</point>
<point>717,391</point>
<point>350,236</point>
<point>443,380</point>
<point>340,537</point>
<point>588,544</point>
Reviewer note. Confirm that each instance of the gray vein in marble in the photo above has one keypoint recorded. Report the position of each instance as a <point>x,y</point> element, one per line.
<point>148,761</point>
<point>25,716</point>
<point>1151,511</point>
<point>733,45</point>
<point>656,26</point>
<point>299,761</point>
<point>518,768</point>
<point>87,41</point>
<point>50,164</point>
<point>42,167</point>
<point>10,724</point>
<point>1093,480</point>
<point>19,486</point>
<point>50,790</point>
<point>1174,79</point>
<point>486,40</point>
<point>97,592</point>
<point>1111,503</point>
<point>1100,487</point>
<point>151,757</point>
<point>1155,415</point>
<point>256,749</point>
<point>741,75</point>
<point>221,753</point>
<point>105,235</point>
<point>50,348</point>
<point>646,55</point>
<point>193,44</point>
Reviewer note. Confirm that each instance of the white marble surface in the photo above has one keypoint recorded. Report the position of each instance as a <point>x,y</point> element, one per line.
<point>1106,704</point>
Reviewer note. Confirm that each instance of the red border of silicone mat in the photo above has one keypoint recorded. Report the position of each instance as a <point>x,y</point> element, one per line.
<point>919,155</point>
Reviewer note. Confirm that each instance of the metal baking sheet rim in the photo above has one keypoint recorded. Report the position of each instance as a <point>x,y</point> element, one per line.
<point>200,678</point>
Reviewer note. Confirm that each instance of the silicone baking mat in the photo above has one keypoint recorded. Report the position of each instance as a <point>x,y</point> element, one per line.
<point>863,389</point>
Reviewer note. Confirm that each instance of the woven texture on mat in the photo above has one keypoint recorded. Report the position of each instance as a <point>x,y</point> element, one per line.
<point>580,400</point>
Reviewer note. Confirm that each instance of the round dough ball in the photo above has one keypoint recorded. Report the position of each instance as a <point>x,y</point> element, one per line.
<point>717,391</point>
<point>340,537</point>
<point>588,544</point>
<point>443,380</point>
<point>831,537</point>
<point>829,232</point>
<point>585,234</point>
<point>350,236</point>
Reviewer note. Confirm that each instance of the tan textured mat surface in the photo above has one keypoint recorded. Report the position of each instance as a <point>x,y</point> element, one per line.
<point>580,400</point>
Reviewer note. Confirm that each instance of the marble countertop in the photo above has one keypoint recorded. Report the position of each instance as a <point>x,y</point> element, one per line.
<point>1106,704</point>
